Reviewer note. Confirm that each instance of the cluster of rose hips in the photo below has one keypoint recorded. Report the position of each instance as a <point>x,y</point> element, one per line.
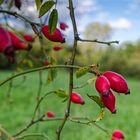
<point>107,83</point>
<point>10,42</point>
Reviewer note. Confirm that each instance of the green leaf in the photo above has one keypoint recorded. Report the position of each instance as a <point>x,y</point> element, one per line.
<point>45,7</point>
<point>96,99</point>
<point>52,73</point>
<point>1,1</point>
<point>38,4</point>
<point>61,93</point>
<point>53,21</point>
<point>82,71</point>
<point>101,115</point>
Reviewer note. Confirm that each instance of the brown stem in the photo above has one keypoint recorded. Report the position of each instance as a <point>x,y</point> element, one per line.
<point>97,41</point>
<point>29,125</point>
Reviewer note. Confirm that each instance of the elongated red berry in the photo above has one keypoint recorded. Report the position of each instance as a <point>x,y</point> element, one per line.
<point>114,138</point>
<point>102,85</point>
<point>18,4</point>
<point>57,48</point>
<point>117,82</point>
<point>63,26</point>
<point>55,37</point>
<point>17,43</point>
<point>28,37</point>
<point>77,98</point>
<point>118,134</point>
<point>50,114</point>
<point>109,101</point>
<point>6,44</point>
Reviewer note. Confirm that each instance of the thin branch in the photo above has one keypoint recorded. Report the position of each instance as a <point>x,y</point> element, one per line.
<point>97,41</point>
<point>39,102</point>
<point>29,125</point>
<point>43,135</point>
<point>3,131</point>
<point>38,69</point>
<point>15,14</point>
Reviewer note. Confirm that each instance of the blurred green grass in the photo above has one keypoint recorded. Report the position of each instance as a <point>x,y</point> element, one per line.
<point>15,115</point>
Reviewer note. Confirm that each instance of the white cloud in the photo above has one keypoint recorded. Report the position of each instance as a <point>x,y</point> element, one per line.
<point>121,23</point>
<point>86,6</point>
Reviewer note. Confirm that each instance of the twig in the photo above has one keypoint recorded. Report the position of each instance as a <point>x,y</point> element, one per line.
<point>15,14</point>
<point>29,125</point>
<point>97,41</point>
<point>43,135</point>
<point>38,69</point>
<point>39,102</point>
<point>3,131</point>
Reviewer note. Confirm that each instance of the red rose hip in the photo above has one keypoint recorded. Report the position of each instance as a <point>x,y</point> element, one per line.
<point>118,134</point>
<point>17,43</point>
<point>57,48</point>
<point>109,102</point>
<point>117,82</point>
<point>102,85</point>
<point>63,26</point>
<point>114,138</point>
<point>77,98</point>
<point>55,37</point>
<point>28,37</point>
<point>50,114</point>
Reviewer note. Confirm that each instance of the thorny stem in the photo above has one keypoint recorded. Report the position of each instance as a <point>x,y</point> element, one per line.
<point>72,59</point>
<point>97,41</point>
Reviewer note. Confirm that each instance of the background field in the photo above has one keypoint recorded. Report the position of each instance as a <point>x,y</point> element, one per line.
<point>15,115</point>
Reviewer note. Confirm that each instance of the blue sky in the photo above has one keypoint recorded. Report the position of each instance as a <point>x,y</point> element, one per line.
<point>122,15</point>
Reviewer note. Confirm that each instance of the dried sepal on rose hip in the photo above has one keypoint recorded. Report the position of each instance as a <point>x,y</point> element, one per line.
<point>118,134</point>
<point>50,114</point>
<point>109,102</point>
<point>117,82</point>
<point>102,85</point>
<point>55,37</point>
<point>77,98</point>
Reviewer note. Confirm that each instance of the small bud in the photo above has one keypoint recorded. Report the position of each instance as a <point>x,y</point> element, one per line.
<point>102,85</point>
<point>50,114</point>
<point>117,82</point>
<point>63,26</point>
<point>118,134</point>
<point>77,98</point>
<point>57,48</point>
<point>46,62</point>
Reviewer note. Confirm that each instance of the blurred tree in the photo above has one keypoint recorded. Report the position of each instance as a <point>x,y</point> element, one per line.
<point>93,31</point>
